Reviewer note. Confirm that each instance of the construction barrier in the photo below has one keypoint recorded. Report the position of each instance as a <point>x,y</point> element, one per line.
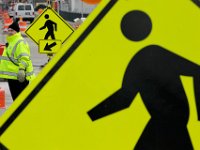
<point>6,23</point>
<point>6,15</point>
<point>22,25</point>
<point>2,98</point>
<point>1,49</point>
<point>40,11</point>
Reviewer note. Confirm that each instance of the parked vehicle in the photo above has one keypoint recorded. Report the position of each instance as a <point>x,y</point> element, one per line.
<point>24,10</point>
<point>11,11</point>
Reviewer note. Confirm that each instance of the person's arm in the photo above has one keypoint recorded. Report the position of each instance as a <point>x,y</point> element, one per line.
<point>121,99</point>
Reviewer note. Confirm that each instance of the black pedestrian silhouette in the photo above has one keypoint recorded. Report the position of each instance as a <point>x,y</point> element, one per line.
<point>51,26</point>
<point>154,72</point>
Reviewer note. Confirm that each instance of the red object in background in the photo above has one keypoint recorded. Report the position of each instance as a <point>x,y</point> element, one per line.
<point>1,49</point>
<point>91,1</point>
<point>2,98</point>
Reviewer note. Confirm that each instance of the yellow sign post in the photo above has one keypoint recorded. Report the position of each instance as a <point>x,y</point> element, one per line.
<point>127,79</point>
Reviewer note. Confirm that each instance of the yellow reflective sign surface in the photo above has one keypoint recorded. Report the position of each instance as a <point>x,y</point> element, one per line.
<point>127,79</point>
<point>49,46</point>
<point>49,25</point>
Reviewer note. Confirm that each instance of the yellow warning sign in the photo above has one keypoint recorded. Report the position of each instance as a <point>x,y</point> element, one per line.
<point>127,79</point>
<point>49,46</point>
<point>49,25</point>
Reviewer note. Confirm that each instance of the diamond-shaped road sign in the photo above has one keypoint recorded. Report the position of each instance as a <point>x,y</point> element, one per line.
<point>133,54</point>
<point>49,26</point>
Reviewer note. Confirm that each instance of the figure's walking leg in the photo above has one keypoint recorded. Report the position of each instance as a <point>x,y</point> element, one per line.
<point>46,36</point>
<point>52,36</point>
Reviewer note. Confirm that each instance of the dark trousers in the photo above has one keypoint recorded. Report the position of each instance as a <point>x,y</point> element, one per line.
<point>16,87</point>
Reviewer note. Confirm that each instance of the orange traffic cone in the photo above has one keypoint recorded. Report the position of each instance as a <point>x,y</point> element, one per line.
<point>22,25</point>
<point>2,98</point>
<point>40,11</point>
<point>6,15</point>
<point>6,23</point>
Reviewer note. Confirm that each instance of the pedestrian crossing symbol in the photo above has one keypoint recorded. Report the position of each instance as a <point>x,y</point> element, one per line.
<point>49,25</point>
<point>129,78</point>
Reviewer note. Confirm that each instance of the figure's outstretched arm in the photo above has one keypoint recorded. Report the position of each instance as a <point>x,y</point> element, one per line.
<point>117,101</point>
<point>43,27</point>
<point>197,94</point>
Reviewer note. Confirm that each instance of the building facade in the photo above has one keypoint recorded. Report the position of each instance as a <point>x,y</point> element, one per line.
<point>71,9</point>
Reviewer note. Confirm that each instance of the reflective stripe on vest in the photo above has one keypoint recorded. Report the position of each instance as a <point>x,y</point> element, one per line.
<point>8,73</point>
<point>15,61</point>
<point>4,58</point>
<point>15,74</point>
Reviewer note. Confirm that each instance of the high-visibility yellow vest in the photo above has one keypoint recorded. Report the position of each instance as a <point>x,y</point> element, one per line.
<point>16,56</point>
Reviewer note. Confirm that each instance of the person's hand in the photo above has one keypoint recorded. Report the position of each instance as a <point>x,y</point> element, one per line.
<point>21,75</point>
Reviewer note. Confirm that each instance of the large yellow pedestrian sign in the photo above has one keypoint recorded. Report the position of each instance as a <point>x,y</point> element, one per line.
<point>49,25</point>
<point>127,79</point>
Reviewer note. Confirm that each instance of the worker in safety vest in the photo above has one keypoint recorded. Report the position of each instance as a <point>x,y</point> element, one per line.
<point>15,63</point>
